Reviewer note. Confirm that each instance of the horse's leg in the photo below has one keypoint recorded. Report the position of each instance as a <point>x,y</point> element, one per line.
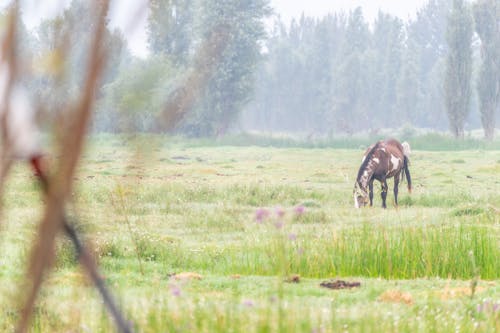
<point>370,187</point>
<point>384,192</point>
<point>396,188</point>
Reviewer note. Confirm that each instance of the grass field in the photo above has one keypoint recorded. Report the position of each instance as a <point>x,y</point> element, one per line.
<point>200,238</point>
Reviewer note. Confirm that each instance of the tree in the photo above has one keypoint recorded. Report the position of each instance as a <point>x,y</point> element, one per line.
<point>458,67</point>
<point>134,99</point>
<point>424,55</point>
<point>387,49</point>
<point>487,19</point>
<point>171,28</point>
<point>408,85</point>
<point>232,83</point>
<point>350,103</point>
<point>71,33</point>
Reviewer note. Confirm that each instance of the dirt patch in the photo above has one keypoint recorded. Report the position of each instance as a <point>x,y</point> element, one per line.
<point>451,293</point>
<point>340,284</point>
<point>396,296</point>
<point>208,171</point>
<point>181,158</point>
<point>294,278</point>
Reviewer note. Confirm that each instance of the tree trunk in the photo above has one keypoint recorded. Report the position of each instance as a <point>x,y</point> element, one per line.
<point>488,121</point>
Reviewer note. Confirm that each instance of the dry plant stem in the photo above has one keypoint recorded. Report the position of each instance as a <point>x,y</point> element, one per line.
<point>132,235</point>
<point>60,185</point>
<point>7,59</point>
<point>42,254</point>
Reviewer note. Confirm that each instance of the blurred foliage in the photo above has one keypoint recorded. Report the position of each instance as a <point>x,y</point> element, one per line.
<point>60,52</point>
<point>136,96</point>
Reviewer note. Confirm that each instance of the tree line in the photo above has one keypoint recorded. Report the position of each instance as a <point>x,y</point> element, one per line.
<point>338,74</point>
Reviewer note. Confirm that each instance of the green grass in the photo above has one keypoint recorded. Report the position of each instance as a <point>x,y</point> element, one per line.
<point>184,206</point>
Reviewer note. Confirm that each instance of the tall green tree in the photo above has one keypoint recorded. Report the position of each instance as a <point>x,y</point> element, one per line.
<point>350,102</point>
<point>386,50</point>
<point>457,83</point>
<point>408,85</point>
<point>171,28</point>
<point>487,19</point>
<point>425,52</point>
<point>232,82</point>
<point>324,49</point>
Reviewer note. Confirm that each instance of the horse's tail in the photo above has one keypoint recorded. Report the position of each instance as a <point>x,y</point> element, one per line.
<point>406,148</point>
<point>406,172</point>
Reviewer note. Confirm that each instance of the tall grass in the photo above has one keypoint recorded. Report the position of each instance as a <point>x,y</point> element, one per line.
<point>371,251</point>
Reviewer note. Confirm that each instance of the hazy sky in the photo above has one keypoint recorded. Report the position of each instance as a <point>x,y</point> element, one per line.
<point>123,10</point>
<point>294,8</point>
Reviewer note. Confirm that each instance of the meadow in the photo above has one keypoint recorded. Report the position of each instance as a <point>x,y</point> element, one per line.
<point>199,237</point>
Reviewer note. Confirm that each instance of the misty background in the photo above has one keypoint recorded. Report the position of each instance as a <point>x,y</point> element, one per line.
<point>314,76</point>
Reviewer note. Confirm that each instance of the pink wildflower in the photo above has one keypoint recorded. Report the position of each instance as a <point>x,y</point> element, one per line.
<point>299,210</point>
<point>261,214</point>
<point>280,212</point>
<point>249,303</point>
<point>279,224</point>
<point>175,290</point>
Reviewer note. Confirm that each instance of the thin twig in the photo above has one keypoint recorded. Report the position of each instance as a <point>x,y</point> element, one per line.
<point>129,227</point>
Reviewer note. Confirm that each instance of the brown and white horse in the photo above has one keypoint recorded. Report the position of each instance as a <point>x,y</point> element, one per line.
<point>383,160</point>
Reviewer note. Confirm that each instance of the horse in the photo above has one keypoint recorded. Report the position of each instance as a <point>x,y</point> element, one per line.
<point>385,159</point>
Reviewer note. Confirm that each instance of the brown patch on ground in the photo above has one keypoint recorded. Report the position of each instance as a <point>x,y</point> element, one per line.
<point>235,276</point>
<point>187,276</point>
<point>396,296</point>
<point>450,293</point>
<point>340,284</point>
<point>294,278</point>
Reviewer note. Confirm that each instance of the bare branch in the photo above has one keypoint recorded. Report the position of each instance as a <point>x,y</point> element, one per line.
<point>7,74</point>
<point>59,186</point>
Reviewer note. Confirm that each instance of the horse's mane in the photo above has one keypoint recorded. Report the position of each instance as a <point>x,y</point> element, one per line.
<point>367,160</point>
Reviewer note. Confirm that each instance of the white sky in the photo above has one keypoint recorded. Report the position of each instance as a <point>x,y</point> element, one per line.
<point>122,12</point>
<point>318,8</point>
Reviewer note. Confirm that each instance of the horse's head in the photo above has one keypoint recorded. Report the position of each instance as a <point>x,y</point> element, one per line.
<point>360,196</point>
